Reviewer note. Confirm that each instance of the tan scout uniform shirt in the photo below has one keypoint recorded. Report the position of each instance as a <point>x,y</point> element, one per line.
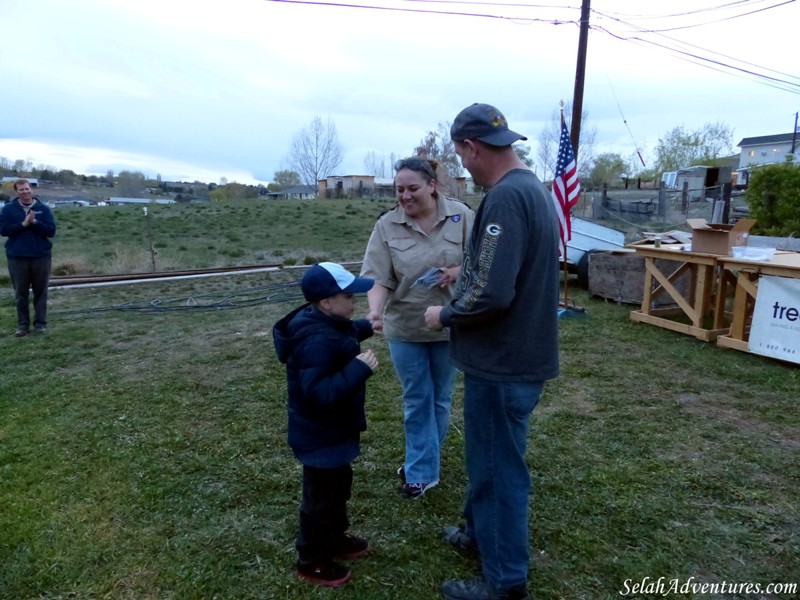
<point>399,252</point>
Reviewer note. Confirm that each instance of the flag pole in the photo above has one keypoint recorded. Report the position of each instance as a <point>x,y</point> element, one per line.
<point>566,276</point>
<point>566,191</point>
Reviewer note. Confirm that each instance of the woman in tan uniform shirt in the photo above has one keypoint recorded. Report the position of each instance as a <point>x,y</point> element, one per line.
<point>425,233</point>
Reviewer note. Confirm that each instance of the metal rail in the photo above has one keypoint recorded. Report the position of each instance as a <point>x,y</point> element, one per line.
<point>68,281</point>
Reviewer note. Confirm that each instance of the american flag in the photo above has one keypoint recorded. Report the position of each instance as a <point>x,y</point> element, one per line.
<point>566,185</point>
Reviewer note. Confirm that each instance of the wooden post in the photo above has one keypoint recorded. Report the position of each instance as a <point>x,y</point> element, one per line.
<point>726,201</point>
<point>580,74</point>
<point>685,198</point>
<point>662,202</point>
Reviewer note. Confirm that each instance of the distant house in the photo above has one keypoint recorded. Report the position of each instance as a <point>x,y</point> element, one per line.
<point>355,186</point>
<point>32,180</point>
<point>76,200</point>
<point>118,201</point>
<point>296,192</point>
<point>763,150</point>
<point>465,186</point>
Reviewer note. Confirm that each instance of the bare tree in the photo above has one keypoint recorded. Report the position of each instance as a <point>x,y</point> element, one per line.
<point>316,151</point>
<point>437,145</point>
<point>546,152</point>
<point>375,165</point>
<point>549,138</point>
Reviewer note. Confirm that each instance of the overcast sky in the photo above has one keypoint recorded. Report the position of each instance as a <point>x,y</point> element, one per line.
<point>205,89</point>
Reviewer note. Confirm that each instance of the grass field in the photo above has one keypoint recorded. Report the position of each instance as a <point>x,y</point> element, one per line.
<point>143,451</point>
<point>116,239</point>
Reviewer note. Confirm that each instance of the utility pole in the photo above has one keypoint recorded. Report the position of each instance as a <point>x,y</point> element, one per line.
<point>580,72</point>
<point>794,134</point>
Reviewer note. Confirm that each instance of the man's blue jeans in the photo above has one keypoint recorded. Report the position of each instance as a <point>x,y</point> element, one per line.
<point>27,274</point>
<point>496,419</point>
<point>426,375</point>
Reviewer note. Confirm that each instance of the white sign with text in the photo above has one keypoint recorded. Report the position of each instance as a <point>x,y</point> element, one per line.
<point>775,331</point>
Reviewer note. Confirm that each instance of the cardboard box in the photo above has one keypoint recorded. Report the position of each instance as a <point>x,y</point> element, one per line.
<point>716,238</point>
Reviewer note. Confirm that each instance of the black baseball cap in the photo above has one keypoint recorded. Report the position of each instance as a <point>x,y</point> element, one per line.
<point>485,123</point>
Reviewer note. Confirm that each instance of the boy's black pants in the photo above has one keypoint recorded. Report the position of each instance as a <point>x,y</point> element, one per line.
<point>323,511</point>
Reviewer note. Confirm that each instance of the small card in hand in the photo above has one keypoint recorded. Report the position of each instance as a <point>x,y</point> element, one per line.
<point>433,277</point>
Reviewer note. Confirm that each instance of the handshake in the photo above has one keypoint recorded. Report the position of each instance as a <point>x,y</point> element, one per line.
<point>432,320</point>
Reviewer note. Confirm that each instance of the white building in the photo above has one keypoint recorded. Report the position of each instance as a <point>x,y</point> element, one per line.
<point>764,150</point>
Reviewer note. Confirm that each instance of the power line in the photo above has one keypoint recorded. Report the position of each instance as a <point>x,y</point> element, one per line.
<point>693,25</point>
<point>790,76</point>
<point>706,61</point>
<point>688,12</point>
<point>714,65</point>
<point>624,120</point>
<point>426,11</point>
<point>480,3</point>
<point>693,57</point>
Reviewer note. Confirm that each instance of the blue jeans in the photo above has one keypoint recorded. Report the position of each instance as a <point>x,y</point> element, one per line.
<point>27,274</point>
<point>426,375</point>
<point>496,418</point>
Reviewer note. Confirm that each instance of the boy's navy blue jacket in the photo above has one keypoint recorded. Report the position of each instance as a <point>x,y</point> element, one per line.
<point>326,384</point>
<point>27,242</point>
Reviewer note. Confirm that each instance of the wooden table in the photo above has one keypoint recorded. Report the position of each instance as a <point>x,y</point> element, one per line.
<point>747,273</point>
<point>702,304</point>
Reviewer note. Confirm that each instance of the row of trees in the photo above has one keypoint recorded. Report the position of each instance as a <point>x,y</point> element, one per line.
<point>130,184</point>
<point>316,153</point>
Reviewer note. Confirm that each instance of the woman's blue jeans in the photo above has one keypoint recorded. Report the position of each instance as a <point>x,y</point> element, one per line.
<point>426,375</point>
<point>496,419</point>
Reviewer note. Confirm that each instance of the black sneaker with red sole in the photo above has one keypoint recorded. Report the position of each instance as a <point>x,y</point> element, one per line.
<point>350,547</point>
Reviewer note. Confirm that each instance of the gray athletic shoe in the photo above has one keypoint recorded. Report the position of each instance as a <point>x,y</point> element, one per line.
<point>456,537</point>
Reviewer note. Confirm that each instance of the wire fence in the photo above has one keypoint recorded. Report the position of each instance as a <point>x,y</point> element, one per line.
<point>639,211</point>
<point>222,300</point>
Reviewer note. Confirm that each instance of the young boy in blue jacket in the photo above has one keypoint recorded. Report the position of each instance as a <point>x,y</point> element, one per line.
<point>326,378</point>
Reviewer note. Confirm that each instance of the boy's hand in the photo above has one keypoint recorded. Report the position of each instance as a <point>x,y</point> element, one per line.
<point>376,321</point>
<point>368,358</point>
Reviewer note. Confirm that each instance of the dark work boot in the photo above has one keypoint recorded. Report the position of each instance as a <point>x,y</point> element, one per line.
<point>478,589</point>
